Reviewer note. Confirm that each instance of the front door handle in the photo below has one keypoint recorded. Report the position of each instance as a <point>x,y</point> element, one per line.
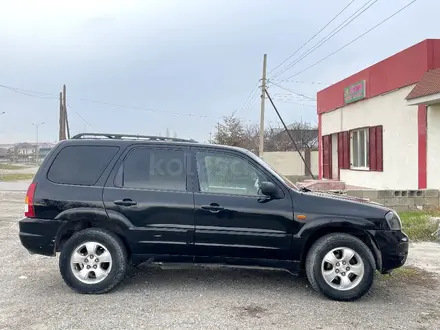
<point>125,202</point>
<point>213,208</point>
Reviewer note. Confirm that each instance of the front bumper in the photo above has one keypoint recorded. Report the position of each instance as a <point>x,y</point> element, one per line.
<point>393,246</point>
<point>38,236</point>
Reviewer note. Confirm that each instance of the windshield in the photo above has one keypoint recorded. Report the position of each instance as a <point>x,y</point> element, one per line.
<point>274,172</point>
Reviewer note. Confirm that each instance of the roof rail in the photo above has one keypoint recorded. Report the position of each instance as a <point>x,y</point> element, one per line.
<point>128,137</point>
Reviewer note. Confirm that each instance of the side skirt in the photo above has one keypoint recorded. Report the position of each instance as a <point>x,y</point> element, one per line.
<point>292,267</point>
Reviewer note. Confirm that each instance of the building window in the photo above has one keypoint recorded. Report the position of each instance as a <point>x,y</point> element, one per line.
<point>359,149</point>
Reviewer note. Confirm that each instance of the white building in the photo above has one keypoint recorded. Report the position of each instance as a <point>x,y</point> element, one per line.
<point>380,128</point>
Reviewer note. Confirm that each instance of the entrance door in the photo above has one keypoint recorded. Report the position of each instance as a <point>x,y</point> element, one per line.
<point>327,156</point>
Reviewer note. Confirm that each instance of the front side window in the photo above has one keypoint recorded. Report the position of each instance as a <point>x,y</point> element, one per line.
<point>359,149</point>
<point>146,168</point>
<point>228,174</point>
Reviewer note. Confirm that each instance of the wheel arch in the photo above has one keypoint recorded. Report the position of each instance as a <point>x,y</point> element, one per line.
<point>312,235</point>
<point>81,218</point>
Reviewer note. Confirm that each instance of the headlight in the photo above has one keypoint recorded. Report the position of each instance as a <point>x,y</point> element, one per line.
<point>393,220</point>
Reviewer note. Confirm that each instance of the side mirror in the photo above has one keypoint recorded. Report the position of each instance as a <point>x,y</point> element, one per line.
<point>269,189</point>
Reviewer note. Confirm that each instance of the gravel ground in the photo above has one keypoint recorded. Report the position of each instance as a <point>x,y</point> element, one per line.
<point>33,295</point>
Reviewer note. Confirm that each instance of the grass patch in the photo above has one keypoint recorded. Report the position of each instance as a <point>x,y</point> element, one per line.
<point>9,177</point>
<point>417,226</point>
<point>405,276</point>
<point>11,167</point>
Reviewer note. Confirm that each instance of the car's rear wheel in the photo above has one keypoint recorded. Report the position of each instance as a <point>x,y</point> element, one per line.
<point>340,266</point>
<point>93,261</point>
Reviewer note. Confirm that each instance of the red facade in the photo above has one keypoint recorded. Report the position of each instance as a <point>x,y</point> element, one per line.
<point>402,69</point>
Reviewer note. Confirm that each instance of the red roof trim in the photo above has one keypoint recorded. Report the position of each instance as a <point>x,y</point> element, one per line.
<point>428,85</point>
<point>402,69</point>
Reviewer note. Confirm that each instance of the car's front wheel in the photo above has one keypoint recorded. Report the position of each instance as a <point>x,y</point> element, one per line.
<point>340,266</point>
<point>93,260</point>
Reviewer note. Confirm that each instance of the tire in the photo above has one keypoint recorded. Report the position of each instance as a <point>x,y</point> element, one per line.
<point>103,274</point>
<point>350,284</point>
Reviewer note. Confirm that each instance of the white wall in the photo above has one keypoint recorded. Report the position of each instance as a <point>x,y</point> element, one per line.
<point>399,121</point>
<point>290,163</point>
<point>433,147</point>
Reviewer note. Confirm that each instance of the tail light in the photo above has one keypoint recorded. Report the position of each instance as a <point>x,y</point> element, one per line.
<point>29,210</point>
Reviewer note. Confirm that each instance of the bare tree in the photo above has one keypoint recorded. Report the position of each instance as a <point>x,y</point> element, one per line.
<point>231,132</point>
<point>303,133</point>
<point>234,132</point>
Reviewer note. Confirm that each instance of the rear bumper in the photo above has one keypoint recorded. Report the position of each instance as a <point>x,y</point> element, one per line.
<point>393,246</point>
<point>38,236</point>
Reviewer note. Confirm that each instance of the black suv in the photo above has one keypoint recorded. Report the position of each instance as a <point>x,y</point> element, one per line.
<point>106,201</point>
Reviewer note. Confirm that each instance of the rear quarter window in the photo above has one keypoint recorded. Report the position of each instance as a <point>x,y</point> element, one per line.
<point>81,165</point>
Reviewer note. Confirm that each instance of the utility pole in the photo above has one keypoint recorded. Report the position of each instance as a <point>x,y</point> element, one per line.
<point>37,150</point>
<point>66,128</point>
<point>263,103</point>
<point>61,123</point>
<point>64,122</point>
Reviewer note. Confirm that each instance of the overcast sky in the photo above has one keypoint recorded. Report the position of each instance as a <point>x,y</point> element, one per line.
<point>182,64</point>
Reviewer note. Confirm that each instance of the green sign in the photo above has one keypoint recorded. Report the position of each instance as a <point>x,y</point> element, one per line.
<point>355,92</point>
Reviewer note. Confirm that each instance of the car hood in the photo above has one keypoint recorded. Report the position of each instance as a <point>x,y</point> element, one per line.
<point>338,205</point>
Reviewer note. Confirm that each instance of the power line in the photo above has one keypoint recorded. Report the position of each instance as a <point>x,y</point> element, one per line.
<point>252,104</point>
<point>313,37</point>
<point>76,112</point>
<point>334,32</point>
<point>19,90</point>
<point>292,91</point>
<point>122,106</point>
<point>352,41</point>
<point>299,81</point>
<point>248,101</point>
<point>27,92</point>
<point>295,103</point>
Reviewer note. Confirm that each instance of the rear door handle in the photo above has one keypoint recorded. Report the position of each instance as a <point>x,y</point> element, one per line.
<point>213,208</point>
<point>125,202</point>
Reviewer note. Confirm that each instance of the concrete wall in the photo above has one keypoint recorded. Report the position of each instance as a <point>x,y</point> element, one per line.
<point>289,163</point>
<point>314,159</point>
<point>433,147</point>
<point>399,121</point>
<point>401,200</point>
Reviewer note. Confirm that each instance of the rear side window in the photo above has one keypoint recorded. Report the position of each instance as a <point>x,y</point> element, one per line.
<point>146,168</point>
<point>81,165</point>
